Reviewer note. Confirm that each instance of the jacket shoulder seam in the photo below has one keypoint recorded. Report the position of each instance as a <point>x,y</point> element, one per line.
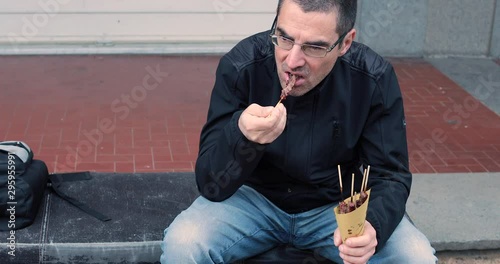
<point>359,69</point>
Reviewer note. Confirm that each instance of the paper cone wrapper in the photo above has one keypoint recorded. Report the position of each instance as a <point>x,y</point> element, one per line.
<point>352,224</point>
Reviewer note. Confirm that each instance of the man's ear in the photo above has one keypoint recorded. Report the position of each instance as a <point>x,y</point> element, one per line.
<point>346,43</point>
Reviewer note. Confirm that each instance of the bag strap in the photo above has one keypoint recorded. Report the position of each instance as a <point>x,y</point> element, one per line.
<point>55,183</point>
<point>69,177</point>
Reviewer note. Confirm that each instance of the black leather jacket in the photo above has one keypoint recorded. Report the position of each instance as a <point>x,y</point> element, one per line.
<point>353,117</point>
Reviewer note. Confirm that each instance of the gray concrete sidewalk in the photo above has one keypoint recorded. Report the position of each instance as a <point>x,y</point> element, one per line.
<point>457,211</point>
<point>479,77</point>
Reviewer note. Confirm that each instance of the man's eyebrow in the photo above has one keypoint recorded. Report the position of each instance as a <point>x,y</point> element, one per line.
<point>283,33</point>
<point>320,43</point>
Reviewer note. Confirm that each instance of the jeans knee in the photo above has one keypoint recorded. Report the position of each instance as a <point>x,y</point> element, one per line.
<point>406,245</point>
<point>183,243</point>
<point>412,251</point>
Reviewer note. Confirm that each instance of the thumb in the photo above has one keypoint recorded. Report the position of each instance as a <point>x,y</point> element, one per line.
<point>337,239</point>
<point>260,111</point>
<point>277,111</point>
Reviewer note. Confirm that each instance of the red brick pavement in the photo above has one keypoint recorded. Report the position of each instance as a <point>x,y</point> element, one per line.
<point>63,105</point>
<point>448,130</point>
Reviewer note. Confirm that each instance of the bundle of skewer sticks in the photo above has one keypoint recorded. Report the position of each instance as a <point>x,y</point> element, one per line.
<point>347,207</point>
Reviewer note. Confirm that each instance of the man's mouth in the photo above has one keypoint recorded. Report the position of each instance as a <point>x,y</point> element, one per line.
<point>299,79</point>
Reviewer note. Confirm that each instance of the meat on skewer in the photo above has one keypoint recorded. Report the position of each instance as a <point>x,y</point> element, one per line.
<point>352,206</point>
<point>362,197</point>
<point>347,207</point>
<point>288,87</point>
<point>343,207</point>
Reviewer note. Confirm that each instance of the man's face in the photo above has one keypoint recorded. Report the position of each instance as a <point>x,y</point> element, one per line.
<point>305,28</point>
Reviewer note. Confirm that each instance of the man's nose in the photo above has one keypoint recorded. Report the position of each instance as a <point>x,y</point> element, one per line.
<point>296,57</point>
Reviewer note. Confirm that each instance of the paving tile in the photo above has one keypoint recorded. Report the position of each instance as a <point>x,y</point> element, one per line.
<point>64,163</point>
<point>115,158</point>
<point>162,154</point>
<point>106,148</point>
<point>451,168</point>
<point>174,165</point>
<point>96,166</point>
<point>143,162</point>
<point>476,168</point>
<point>184,157</point>
<point>179,146</point>
<point>87,117</point>
<point>124,149</point>
<point>124,167</point>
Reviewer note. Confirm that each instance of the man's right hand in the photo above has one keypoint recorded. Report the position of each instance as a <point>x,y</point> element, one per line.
<point>262,124</point>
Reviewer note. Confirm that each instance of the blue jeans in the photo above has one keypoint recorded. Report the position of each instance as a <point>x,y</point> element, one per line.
<point>247,224</point>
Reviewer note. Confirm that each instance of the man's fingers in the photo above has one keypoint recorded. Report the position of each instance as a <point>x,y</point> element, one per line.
<point>359,241</point>
<point>356,251</point>
<point>262,124</point>
<point>359,249</point>
<point>282,117</point>
<point>353,260</point>
<point>278,120</point>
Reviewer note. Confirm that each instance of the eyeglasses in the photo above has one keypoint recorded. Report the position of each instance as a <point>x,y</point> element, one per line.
<point>308,49</point>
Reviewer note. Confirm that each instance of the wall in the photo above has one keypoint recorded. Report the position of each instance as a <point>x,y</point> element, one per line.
<point>391,27</point>
<point>106,25</point>
<point>495,39</point>
<point>431,27</point>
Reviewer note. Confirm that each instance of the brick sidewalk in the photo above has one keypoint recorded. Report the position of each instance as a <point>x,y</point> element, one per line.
<point>72,102</point>
<point>448,129</point>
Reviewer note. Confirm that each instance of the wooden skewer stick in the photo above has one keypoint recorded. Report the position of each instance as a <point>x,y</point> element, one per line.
<point>352,188</point>
<point>363,181</point>
<point>367,175</point>
<point>279,102</point>
<point>340,180</point>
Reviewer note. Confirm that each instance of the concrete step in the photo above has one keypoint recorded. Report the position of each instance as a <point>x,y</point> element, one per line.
<point>457,211</point>
<point>469,257</point>
<point>453,210</point>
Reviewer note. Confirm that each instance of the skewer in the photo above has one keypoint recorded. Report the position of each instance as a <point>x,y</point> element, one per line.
<point>363,181</point>
<point>340,180</point>
<point>279,102</point>
<point>367,175</point>
<point>352,188</point>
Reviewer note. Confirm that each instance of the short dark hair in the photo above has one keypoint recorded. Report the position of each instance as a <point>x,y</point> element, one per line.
<point>347,10</point>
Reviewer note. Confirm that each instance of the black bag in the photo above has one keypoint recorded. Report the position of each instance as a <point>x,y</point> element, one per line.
<point>22,185</point>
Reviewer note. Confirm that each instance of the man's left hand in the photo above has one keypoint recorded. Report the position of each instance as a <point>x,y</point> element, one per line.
<point>357,250</point>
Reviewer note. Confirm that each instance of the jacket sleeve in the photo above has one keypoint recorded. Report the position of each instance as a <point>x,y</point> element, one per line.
<point>384,147</point>
<point>226,158</point>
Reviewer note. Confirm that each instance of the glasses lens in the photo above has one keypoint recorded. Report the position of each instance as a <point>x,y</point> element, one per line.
<point>314,51</point>
<point>284,43</point>
<point>309,50</point>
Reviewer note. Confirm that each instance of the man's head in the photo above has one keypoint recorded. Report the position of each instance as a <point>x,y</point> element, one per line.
<point>319,24</point>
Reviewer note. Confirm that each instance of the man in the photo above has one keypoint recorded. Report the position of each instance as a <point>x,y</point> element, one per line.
<point>268,175</point>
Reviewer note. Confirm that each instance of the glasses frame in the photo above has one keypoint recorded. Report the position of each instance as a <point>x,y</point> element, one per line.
<point>274,40</point>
